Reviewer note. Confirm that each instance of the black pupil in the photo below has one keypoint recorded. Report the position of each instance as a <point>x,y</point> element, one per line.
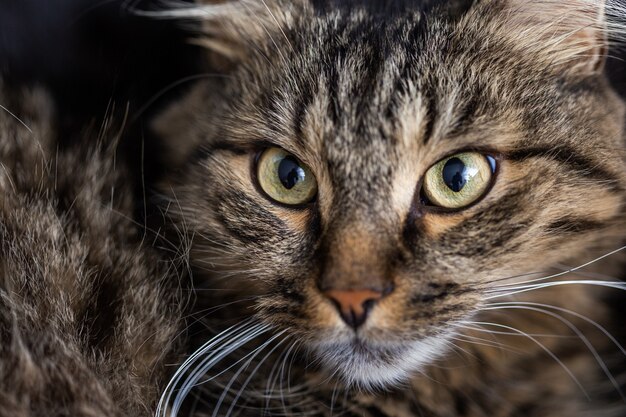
<point>455,174</point>
<point>290,172</point>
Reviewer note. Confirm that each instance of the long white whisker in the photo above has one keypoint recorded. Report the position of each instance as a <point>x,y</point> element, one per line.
<point>496,332</point>
<point>250,331</point>
<point>457,348</point>
<point>573,313</point>
<point>194,379</point>
<point>188,12</point>
<point>167,394</point>
<point>255,370</point>
<point>16,118</point>
<point>289,387</point>
<point>253,355</point>
<point>485,342</point>
<point>278,25</point>
<point>532,287</point>
<point>586,264</point>
<point>277,374</point>
<point>223,371</point>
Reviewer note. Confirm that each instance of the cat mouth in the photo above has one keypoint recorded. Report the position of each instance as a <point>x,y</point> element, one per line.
<point>363,349</point>
<point>372,365</point>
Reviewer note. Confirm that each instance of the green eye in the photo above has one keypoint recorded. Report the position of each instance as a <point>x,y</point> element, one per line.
<point>285,179</point>
<point>459,180</point>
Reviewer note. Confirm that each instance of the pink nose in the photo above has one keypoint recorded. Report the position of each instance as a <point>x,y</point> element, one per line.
<point>354,305</point>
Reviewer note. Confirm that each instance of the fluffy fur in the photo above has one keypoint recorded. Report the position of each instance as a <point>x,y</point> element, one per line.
<point>88,311</point>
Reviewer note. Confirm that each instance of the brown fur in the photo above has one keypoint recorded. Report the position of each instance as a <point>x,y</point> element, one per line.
<point>88,312</point>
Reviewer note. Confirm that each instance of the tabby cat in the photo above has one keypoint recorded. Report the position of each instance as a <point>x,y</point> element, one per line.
<point>399,208</point>
<point>386,208</point>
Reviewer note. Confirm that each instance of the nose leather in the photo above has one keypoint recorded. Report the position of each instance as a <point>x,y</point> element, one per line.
<point>354,305</point>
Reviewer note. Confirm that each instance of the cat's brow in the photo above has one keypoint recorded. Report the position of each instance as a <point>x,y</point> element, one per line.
<point>567,155</point>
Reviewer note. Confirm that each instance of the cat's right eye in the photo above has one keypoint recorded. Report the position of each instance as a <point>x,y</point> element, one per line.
<point>284,178</point>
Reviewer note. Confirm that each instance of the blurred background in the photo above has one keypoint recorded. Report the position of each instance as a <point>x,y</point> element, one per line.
<point>98,58</point>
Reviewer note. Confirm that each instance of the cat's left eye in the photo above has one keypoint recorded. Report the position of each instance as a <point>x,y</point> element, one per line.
<point>284,178</point>
<point>459,180</point>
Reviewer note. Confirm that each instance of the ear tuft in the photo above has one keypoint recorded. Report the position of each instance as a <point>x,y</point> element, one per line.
<point>233,29</point>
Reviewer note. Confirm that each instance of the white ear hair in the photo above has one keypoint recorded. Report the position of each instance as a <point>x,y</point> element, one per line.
<point>181,10</point>
<point>615,17</point>
<point>231,29</point>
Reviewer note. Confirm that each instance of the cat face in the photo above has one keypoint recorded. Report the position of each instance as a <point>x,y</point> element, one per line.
<point>371,175</point>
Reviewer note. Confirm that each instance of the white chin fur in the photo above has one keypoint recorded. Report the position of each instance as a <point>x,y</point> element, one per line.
<point>376,367</point>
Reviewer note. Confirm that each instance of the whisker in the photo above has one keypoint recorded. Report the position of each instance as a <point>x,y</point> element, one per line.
<point>255,370</point>
<point>191,381</point>
<point>165,398</point>
<point>541,345</point>
<point>289,387</point>
<point>456,347</point>
<point>170,87</point>
<point>488,283</point>
<point>526,288</point>
<point>576,330</point>
<point>208,311</point>
<point>250,357</point>
<point>486,342</point>
<point>273,376</point>
<point>16,118</point>
<point>249,329</point>
<point>586,264</point>
<point>496,332</point>
<point>575,314</point>
<point>277,374</point>
<point>221,353</point>
<point>278,25</point>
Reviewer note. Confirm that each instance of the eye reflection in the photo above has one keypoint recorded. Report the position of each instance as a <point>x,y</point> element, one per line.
<point>290,172</point>
<point>459,180</point>
<point>456,174</point>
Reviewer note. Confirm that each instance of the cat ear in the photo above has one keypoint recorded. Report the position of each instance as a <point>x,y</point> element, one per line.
<point>572,34</point>
<point>232,30</point>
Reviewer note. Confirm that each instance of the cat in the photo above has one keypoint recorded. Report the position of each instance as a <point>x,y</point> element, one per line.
<point>399,208</point>
<point>89,311</point>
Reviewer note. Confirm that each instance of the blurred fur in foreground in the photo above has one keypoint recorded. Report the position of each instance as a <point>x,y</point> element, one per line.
<point>88,311</point>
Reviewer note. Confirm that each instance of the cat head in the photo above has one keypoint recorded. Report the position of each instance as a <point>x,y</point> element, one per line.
<point>370,171</point>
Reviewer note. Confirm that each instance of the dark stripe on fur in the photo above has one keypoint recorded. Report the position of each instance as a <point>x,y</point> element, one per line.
<point>568,156</point>
<point>235,210</point>
<point>574,225</point>
<point>375,411</point>
<point>494,235</point>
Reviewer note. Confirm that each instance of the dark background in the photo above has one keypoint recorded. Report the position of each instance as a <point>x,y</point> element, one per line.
<point>96,57</point>
<point>91,51</point>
